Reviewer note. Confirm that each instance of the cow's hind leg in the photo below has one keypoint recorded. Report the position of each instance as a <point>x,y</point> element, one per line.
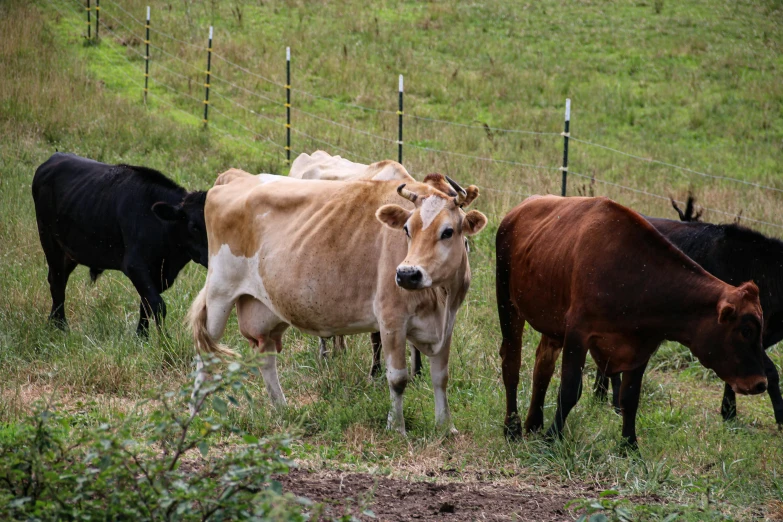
<point>601,386</point>
<point>265,331</point>
<point>773,388</point>
<point>728,406</point>
<point>415,361</point>
<point>570,383</point>
<point>546,356</point>
<point>207,316</point>
<point>60,269</point>
<point>375,340</point>
<point>631,388</point>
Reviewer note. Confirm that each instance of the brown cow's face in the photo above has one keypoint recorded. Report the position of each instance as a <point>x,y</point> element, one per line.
<point>734,349</point>
<point>436,231</point>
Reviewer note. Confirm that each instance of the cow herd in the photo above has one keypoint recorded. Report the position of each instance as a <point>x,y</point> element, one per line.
<point>339,248</point>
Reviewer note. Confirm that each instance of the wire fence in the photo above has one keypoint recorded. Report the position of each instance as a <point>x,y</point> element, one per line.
<point>236,112</point>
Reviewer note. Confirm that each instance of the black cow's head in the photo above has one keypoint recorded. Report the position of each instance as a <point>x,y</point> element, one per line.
<point>190,231</point>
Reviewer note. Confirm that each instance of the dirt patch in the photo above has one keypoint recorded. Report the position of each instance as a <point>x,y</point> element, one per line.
<point>396,499</point>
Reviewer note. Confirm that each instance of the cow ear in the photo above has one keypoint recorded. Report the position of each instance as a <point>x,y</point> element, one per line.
<point>393,216</point>
<point>473,193</point>
<point>166,212</point>
<point>726,311</point>
<point>473,223</point>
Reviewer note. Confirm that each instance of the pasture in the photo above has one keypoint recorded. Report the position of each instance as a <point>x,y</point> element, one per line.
<point>694,83</point>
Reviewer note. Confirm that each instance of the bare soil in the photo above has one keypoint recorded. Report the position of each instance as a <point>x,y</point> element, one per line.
<point>392,499</point>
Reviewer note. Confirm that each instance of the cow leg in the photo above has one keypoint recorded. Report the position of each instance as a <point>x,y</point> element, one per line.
<point>416,361</point>
<point>439,372</point>
<point>375,340</point>
<point>265,331</point>
<point>629,398</point>
<point>152,304</point>
<point>728,407</point>
<point>601,386</point>
<point>547,352</point>
<point>216,309</point>
<point>323,351</point>
<point>511,326</point>
<point>773,388</point>
<point>397,375</point>
<point>60,269</point>
<point>339,344</point>
<point>270,346</point>
<point>616,387</point>
<point>570,384</point>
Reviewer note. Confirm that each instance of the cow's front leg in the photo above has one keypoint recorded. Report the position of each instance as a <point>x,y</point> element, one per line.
<point>439,371</point>
<point>397,374</point>
<point>152,305</point>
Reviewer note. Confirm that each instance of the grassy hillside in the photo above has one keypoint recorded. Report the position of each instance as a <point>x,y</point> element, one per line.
<point>693,83</point>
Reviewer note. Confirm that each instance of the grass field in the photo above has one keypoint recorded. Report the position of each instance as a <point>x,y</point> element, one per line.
<point>694,83</point>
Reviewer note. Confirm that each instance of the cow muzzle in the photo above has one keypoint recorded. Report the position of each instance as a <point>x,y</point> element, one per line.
<point>750,386</point>
<point>412,278</point>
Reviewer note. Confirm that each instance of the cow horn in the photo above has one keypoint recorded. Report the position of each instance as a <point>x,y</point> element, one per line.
<point>407,194</point>
<point>461,194</point>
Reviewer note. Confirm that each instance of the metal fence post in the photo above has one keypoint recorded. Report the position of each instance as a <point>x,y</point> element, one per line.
<point>209,73</point>
<point>89,23</point>
<point>288,105</point>
<point>399,118</point>
<point>97,17</point>
<point>147,56</point>
<point>564,168</point>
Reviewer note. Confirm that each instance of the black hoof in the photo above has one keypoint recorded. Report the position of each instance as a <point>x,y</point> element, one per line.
<point>512,429</point>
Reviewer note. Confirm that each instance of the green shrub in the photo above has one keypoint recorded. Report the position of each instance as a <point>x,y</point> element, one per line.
<point>146,466</point>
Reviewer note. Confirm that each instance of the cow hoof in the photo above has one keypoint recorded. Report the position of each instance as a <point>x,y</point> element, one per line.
<point>512,429</point>
<point>392,425</point>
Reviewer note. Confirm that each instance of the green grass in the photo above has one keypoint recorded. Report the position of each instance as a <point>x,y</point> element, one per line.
<point>698,85</point>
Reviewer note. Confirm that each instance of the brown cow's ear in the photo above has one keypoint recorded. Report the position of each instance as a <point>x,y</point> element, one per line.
<point>750,289</point>
<point>393,216</point>
<point>726,311</point>
<point>474,222</point>
<point>473,192</point>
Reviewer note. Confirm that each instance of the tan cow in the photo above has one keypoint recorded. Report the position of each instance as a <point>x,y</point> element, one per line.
<point>324,166</point>
<point>316,255</point>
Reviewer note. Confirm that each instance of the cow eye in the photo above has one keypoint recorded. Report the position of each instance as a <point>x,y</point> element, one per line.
<point>746,332</point>
<point>405,228</point>
<point>447,233</point>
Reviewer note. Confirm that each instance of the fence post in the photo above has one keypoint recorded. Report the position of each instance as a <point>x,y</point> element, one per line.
<point>564,168</point>
<point>288,105</point>
<point>147,56</point>
<point>209,73</point>
<point>97,17</point>
<point>399,118</point>
<point>89,23</point>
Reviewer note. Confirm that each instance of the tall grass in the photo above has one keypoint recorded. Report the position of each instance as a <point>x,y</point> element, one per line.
<point>694,83</point>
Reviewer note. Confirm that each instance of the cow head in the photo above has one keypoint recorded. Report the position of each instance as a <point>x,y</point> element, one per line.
<point>436,229</point>
<point>732,347</point>
<point>187,218</point>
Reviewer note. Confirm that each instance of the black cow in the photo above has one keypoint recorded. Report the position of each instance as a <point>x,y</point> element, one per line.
<point>116,217</point>
<point>734,254</point>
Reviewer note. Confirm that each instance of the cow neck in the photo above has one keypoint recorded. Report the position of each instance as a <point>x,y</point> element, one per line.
<point>697,303</point>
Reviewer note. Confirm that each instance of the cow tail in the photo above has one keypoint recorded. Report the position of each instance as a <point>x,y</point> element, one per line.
<point>197,320</point>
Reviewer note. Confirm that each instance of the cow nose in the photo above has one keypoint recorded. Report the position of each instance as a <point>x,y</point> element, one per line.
<point>409,278</point>
<point>760,387</point>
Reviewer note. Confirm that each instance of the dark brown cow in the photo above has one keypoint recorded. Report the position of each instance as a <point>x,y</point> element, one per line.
<point>592,275</point>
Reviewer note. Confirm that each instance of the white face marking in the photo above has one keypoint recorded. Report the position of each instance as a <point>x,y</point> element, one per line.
<point>269,178</point>
<point>430,209</point>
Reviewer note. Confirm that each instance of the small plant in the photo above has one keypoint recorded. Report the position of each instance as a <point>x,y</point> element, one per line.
<point>602,509</point>
<point>52,468</point>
